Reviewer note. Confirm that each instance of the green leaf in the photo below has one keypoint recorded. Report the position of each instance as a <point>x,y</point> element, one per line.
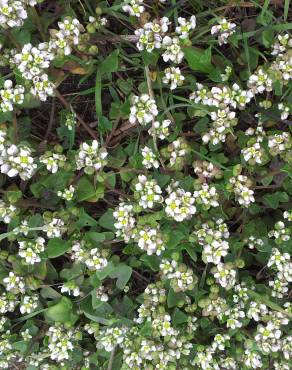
<point>150,58</point>
<point>274,199</point>
<point>102,274</point>
<point>198,59</point>
<point>191,252</point>
<point>107,220</point>
<point>111,63</point>
<point>84,220</point>
<point>150,261</point>
<point>61,312</point>
<point>174,238</point>
<point>179,317</point>
<point>98,88</point>
<point>122,273</point>
<point>85,189</point>
<point>288,169</point>
<point>57,247</point>
<point>49,292</point>
<point>173,299</point>
<point>95,237</point>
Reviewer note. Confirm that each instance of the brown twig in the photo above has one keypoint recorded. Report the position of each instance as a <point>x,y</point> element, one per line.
<point>15,129</point>
<point>113,39</point>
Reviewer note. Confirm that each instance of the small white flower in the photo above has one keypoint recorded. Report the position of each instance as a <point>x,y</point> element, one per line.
<point>143,110</point>
<point>185,26</point>
<point>173,51</point>
<point>149,158</point>
<point>14,283</point>
<point>173,76</point>
<point>91,157</point>
<point>134,7</point>
<point>224,29</point>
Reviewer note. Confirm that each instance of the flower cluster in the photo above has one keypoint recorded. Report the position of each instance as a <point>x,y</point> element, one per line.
<point>7,212</point>
<point>225,275</point>
<point>224,29</point>
<point>30,250</point>
<point>180,205</point>
<point>211,236</point>
<point>125,221</point>
<point>206,196</point>
<point>91,157</point>
<point>61,342</point>
<point>149,158</point>
<point>150,240</point>
<point>134,8</point>
<point>150,36</point>
<point>17,160</point>
<point>160,129</point>
<point>282,264</point>
<point>13,13</point>
<point>240,185</point>
<point>148,192</point>
<point>9,96</point>
<point>181,277</point>
<point>53,161</point>
<point>143,110</point>
<point>173,76</point>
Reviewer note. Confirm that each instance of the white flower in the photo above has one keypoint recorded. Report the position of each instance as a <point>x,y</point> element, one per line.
<point>10,95</point>
<point>160,129</point>
<point>14,283</point>
<point>71,288</point>
<point>12,13</point>
<point>134,7</point>
<point>149,158</point>
<point>101,294</point>
<point>53,161</point>
<point>110,337</point>
<point>95,261</point>
<point>150,240</point>
<point>91,157</point>
<point>279,143</point>
<point>224,30</point>
<point>148,192</point>
<point>42,87</point>
<point>143,110</point>
<point>244,195</point>
<point>55,228</point>
<point>252,359</point>
<point>207,196</point>
<point>225,275</point>
<point>67,194</point>
<point>253,154</point>
<point>60,342</point>
<point>28,304</point>
<point>180,205</point>
<point>30,250</point>
<point>150,36</point>
<point>32,61</point>
<point>173,76</point>
<point>125,221</point>
<point>260,82</point>
<point>17,160</point>
<point>185,26</point>
<point>173,51</point>
<point>68,35</point>
<point>7,211</point>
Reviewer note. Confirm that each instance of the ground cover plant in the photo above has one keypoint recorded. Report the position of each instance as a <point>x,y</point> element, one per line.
<point>146,181</point>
